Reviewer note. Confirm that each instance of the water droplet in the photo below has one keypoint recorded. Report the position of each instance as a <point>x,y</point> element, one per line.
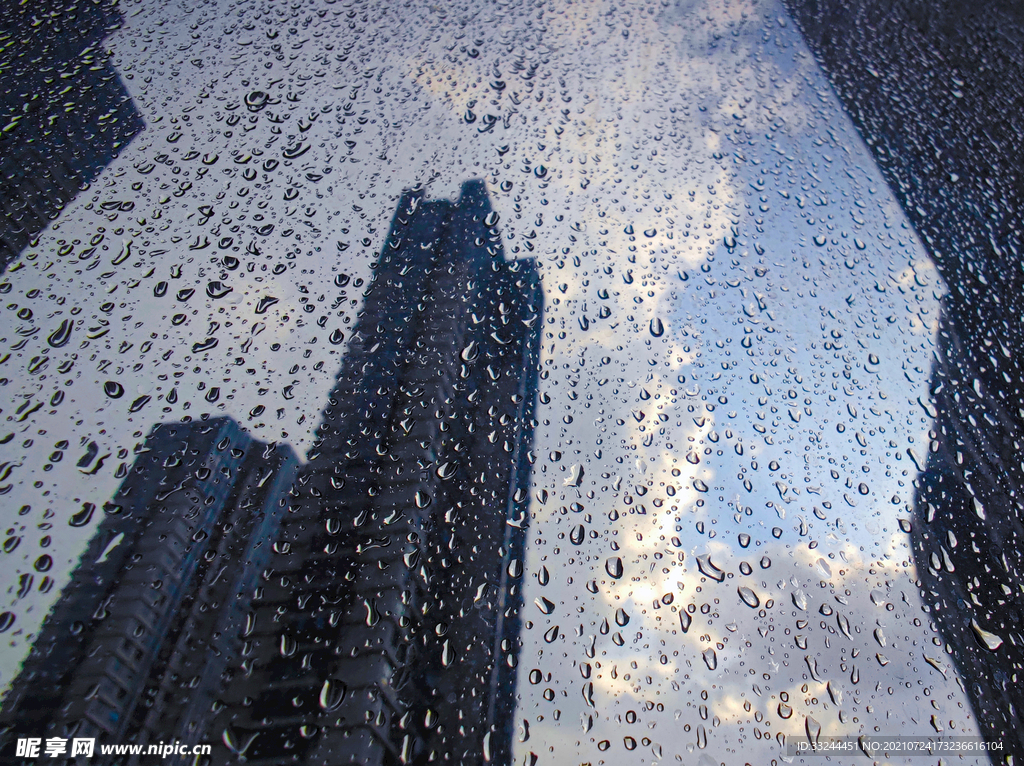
<point>234,743</point>
<point>62,334</point>
<point>265,303</point>
<point>295,150</point>
<point>372,615</point>
<point>139,403</point>
<point>287,646</point>
<point>684,620</point>
<point>813,729</point>
<point>256,100</point>
<point>470,352</point>
<point>990,641</point>
<point>613,566</point>
<point>748,597</point>
<point>710,659</point>
<point>577,534</point>
<point>84,516</point>
<point>332,693</point>
<point>126,251</point>
<point>217,290</point>
<point>708,569</point>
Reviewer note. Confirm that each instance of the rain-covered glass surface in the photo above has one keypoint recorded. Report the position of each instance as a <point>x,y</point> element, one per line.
<point>550,382</point>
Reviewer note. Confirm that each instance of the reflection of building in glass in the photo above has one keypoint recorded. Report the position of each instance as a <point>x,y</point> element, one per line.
<point>138,645</point>
<point>969,541</point>
<point>937,90</point>
<point>64,114</point>
<point>367,606</point>
<point>387,627</point>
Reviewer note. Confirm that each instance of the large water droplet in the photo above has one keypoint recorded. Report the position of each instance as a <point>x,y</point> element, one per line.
<point>331,694</point>
<point>708,569</point>
<point>62,334</point>
<point>684,620</point>
<point>84,516</point>
<point>748,597</point>
<point>613,566</point>
<point>989,640</point>
<point>710,659</point>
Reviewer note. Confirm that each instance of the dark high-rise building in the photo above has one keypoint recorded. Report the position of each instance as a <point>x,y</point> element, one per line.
<point>968,541</point>
<point>937,90</point>
<point>386,627</point>
<point>142,640</point>
<point>362,608</point>
<point>64,114</point>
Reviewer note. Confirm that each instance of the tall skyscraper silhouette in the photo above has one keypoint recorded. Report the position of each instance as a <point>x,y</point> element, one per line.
<point>138,644</point>
<point>360,608</point>
<point>64,113</point>
<point>937,91</point>
<point>386,629</point>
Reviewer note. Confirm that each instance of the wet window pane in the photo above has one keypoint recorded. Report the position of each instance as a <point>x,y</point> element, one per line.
<point>561,382</point>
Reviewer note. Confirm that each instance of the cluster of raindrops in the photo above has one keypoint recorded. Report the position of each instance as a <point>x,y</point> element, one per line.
<point>737,336</point>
